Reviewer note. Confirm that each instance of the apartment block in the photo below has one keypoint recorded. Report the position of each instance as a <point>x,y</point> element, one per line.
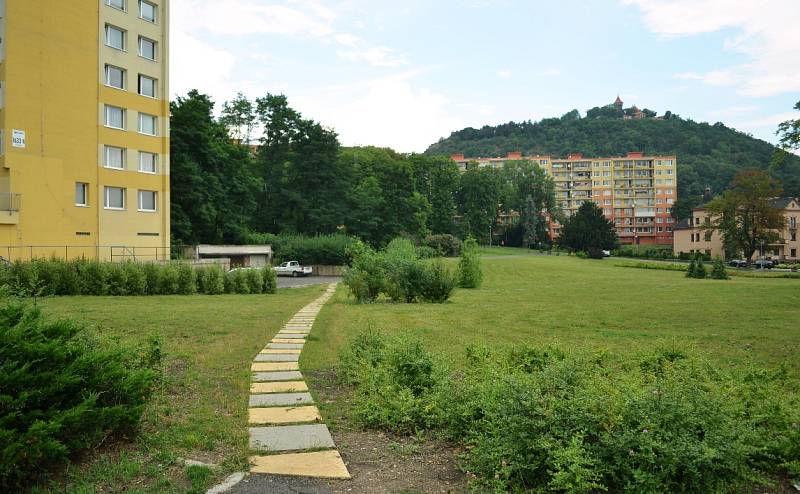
<point>693,235</point>
<point>636,191</point>
<point>84,116</point>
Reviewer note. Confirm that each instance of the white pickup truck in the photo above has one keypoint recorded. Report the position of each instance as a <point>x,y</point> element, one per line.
<point>292,268</point>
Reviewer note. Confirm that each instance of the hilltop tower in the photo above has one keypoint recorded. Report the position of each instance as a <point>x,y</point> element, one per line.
<point>618,103</point>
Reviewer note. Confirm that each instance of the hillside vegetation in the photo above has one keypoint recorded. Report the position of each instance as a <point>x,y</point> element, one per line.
<point>708,155</point>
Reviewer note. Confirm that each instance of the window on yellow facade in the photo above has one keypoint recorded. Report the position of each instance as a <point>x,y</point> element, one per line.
<point>147,11</point>
<point>115,37</point>
<point>147,200</point>
<point>81,194</point>
<point>115,198</point>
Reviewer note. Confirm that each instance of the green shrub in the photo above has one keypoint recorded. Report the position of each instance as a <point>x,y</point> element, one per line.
<point>136,278</point>
<point>446,245</point>
<point>236,282</point>
<point>255,281</point>
<point>366,277</point>
<point>211,280</point>
<point>94,278</point>
<point>117,279</point>
<point>719,272</point>
<point>321,249</point>
<point>270,280</point>
<point>169,279</point>
<point>62,390</point>
<point>425,252</point>
<point>153,274</point>
<point>691,269</point>
<point>438,282</point>
<point>470,274</point>
<point>187,280</point>
<point>699,268</point>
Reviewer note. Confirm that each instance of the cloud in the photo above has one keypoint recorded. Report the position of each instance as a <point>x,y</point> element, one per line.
<point>377,56</point>
<point>766,33</point>
<point>733,111</point>
<point>189,70</point>
<point>549,72</point>
<point>504,74</point>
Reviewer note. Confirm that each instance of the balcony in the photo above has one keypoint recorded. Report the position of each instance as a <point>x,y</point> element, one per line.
<point>9,208</point>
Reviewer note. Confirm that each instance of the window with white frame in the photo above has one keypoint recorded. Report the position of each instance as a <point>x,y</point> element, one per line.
<point>148,162</point>
<point>81,194</point>
<point>147,11</point>
<point>115,77</point>
<point>147,86</point>
<point>147,124</point>
<point>115,197</point>
<point>115,37</point>
<point>147,48</point>
<point>117,4</point>
<point>147,200</point>
<point>115,117</point>
<point>114,158</point>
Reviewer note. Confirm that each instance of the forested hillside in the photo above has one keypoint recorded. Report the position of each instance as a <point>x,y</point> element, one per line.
<point>708,155</point>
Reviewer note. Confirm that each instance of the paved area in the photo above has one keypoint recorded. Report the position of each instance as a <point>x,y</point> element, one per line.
<point>289,282</point>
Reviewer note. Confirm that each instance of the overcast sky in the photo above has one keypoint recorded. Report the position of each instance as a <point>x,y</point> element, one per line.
<point>405,73</point>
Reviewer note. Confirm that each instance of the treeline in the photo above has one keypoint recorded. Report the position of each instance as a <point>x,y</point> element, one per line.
<point>294,177</point>
<point>708,155</point>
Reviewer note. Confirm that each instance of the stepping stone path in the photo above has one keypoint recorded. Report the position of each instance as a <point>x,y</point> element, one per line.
<point>284,423</point>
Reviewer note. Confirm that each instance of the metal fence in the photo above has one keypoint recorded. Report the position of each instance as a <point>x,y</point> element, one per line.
<point>114,253</point>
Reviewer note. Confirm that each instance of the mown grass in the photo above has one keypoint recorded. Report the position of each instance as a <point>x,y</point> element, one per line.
<point>587,304</point>
<point>200,412</point>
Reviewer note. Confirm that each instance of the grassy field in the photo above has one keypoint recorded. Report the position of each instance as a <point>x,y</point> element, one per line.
<point>578,303</point>
<point>201,412</point>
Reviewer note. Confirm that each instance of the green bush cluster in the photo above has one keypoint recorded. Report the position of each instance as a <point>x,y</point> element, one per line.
<point>536,419</point>
<point>321,249</point>
<point>63,389</point>
<point>697,268</point>
<point>398,273</point>
<point>645,252</point>
<point>718,271</point>
<point>445,244</point>
<point>82,277</point>
<point>470,274</point>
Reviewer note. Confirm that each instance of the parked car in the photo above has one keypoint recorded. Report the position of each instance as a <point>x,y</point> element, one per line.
<point>606,253</point>
<point>292,268</point>
<point>737,263</point>
<point>763,264</point>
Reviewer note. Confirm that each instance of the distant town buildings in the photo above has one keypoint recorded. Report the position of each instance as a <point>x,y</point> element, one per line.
<point>692,235</point>
<point>636,191</point>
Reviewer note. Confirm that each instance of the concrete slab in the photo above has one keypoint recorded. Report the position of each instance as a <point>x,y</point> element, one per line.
<point>286,340</point>
<point>291,336</point>
<point>274,366</point>
<point>322,464</point>
<point>280,400</point>
<point>277,376</point>
<point>279,387</point>
<point>284,415</point>
<point>285,351</point>
<point>296,346</point>
<point>261,357</point>
<point>290,437</point>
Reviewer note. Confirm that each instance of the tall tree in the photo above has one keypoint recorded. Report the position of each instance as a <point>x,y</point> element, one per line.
<point>528,189</point>
<point>789,132</point>
<point>479,194</point>
<point>746,214</point>
<point>239,116</point>
<point>436,178</point>
<point>588,231</point>
<point>212,186</point>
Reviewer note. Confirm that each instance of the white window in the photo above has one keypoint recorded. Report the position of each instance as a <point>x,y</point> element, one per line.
<point>117,4</point>
<point>147,200</point>
<point>81,194</point>
<point>147,86</point>
<point>115,197</point>
<point>115,37</point>
<point>147,124</point>
<point>115,158</point>
<point>147,11</point>
<point>148,162</point>
<point>115,77</point>
<point>115,117</point>
<point>147,48</point>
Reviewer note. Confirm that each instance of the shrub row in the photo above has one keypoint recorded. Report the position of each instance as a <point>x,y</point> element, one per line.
<point>322,249</point>
<point>63,389</point>
<point>82,277</point>
<point>399,274</point>
<point>445,244</point>
<point>536,419</point>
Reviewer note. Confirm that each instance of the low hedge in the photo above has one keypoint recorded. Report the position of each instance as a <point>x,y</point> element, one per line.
<point>542,419</point>
<point>329,250</point>
<point>82,277</point>
<point>445,244</point>
<point>63,389</point>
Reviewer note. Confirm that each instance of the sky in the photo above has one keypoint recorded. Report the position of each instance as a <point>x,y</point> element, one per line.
<point>404,74</point>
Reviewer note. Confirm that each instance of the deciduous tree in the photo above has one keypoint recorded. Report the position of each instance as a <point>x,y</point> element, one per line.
<point>588,231</point>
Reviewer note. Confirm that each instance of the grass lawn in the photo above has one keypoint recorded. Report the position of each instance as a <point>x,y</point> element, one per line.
<point>201,412</point>
<point>580,303</point>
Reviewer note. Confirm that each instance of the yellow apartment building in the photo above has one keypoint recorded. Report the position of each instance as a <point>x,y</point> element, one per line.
<point>636,191</point>
<point>692,235</point>
<point>84,119</point>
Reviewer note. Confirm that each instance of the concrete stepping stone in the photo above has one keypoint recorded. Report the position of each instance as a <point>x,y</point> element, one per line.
<point>284,415</point>
<point>285,351</point>
<point>287,340</point>
<point>292,336</point>
<point>298,346</point>
<point>290,437</point>
<point>274,366</point>
<point>280,399</point>
<point>279,387</point>
<point>277,376</point>
<point>321,464</point>
<point>262,357</point>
